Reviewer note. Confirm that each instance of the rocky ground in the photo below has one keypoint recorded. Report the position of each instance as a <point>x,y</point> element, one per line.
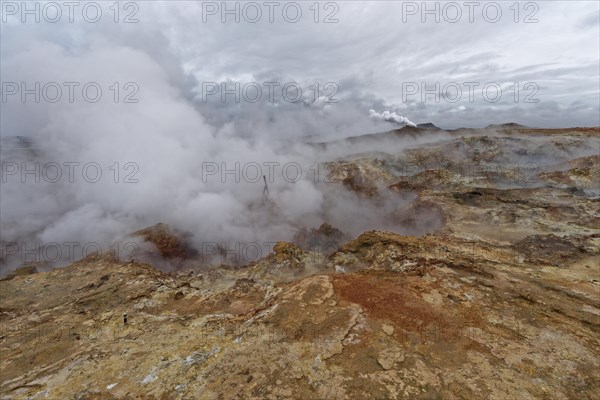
<point>496,296</point>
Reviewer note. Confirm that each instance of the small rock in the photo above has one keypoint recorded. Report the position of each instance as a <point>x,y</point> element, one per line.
<point>151,377</point>
<point>388,358</point>
<point>199,357</point>
<point>388,329</point>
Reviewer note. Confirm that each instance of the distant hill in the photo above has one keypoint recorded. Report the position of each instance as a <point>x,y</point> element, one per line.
<point>508,125</point>
<point>428,125</point>
<point>403,132</point>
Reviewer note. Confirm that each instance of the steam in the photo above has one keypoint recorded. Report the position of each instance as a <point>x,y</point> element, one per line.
<point>391,117</point>
<point>153,156</point>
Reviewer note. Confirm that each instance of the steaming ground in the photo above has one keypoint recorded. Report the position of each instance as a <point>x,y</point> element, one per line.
<point>509,275</point>
<point>385,258</point>
<point>178,185</point>
<point>218,200</point>
<point>160,144</point>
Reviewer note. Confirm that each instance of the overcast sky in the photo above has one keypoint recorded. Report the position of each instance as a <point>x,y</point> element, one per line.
<point>379,55</point>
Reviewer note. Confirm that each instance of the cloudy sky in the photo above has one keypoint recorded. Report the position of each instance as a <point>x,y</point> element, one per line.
<point>383,55</point>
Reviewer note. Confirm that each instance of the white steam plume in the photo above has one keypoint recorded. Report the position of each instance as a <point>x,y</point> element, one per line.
<point>391,117</point>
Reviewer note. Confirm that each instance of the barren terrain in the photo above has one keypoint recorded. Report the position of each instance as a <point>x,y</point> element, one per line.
<point>495,295</point>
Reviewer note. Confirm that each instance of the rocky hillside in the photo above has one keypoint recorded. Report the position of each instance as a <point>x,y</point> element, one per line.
<point>500,300</point>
